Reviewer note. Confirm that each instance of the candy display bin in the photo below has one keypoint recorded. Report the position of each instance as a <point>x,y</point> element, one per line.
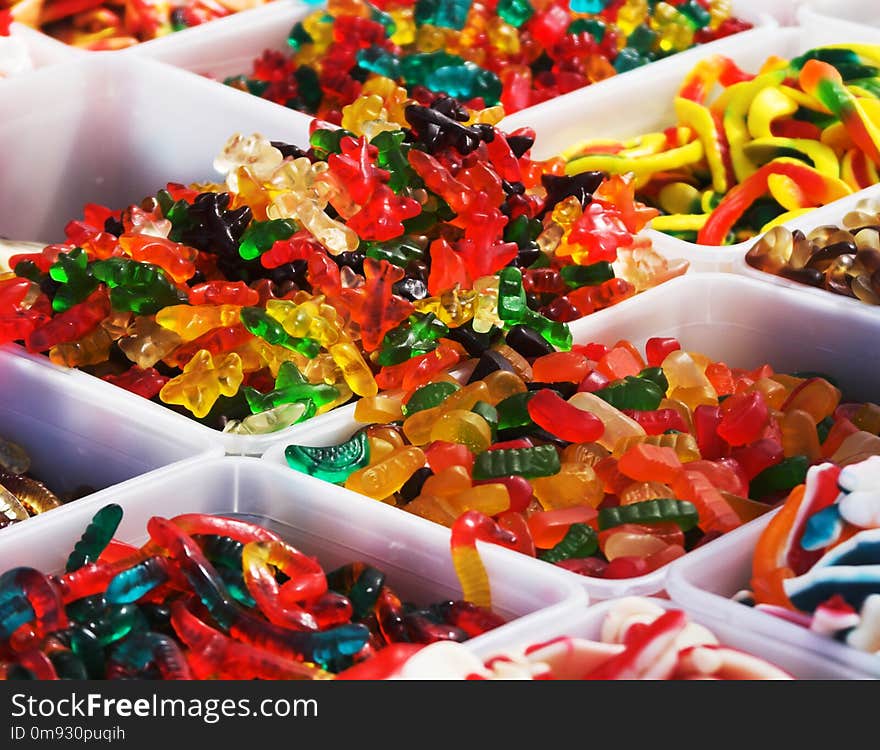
<point>596,588</point>
<point>232,444</point>
<point>50,46</point>
<point>729,318</point>
<point>219,50</point>
<point>705,580</point>
<point>783,11</point>
<point>119,129</point>
<point>316,519</point>
<point>75,440</point>
<point>231,49</point>
<point>832,214</point>
<point>738,321</point>
<point>843,15</point>
<point>586,622</point>
<point>595,112</point>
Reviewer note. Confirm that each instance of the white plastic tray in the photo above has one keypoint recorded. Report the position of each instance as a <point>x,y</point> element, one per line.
<point>586,622</point>
<point>619,108</point>
<point>118,129</point>
<point>74,439</point>
<point>232,444</point>
<point>729,318</point>
<point>219,50</point>
<point>833,213</point>
<point>42,50</point>
<point>705,580</point>
<point>51,45</point>
<point>329,525</point>
<point>846,15</point>
<point>231,49</point>
<point>746,323</point>
<point>782,11</point>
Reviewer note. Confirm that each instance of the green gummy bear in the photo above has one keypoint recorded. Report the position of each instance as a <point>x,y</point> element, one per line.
<point>261,235</point>
<point>76,278</point>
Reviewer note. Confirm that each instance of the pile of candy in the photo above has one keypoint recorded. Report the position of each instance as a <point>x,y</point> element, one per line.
<point>207,597</point>
<point>599,460</point>
<point>841,259</point>
<point>769,147</point>
<point>639,640</point>
<point>514,52</point>
<point>117,24</point>
<point>366,263</point>
<point>817,562</point>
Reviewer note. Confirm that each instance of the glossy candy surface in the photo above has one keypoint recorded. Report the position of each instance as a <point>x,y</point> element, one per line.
<point>842,259</point>
<point>816,562</point>
<point>613,481</point>
<point>208,597</point>
<point>514,53</point>
<point>377,259</point>
<point>749,150</point>
<point>637,640</point>
<point>113,25</point>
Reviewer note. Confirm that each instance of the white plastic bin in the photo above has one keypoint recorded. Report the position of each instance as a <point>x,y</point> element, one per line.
<point>586,622</point>
<point>230,443</point>
<point>845,15</point>
<point>627,106</point>
<point>742,322</point>
<point>833,213</point>
<point>705,580</point>
<point>317,519</point>
<point>118,129</point>
<point>219,50</point>
<point>76,440</point>
<point>41,49</point>
<point>746,323</point>
<point>227,50</point>
<point>783,11</point>
<point>54,46</point>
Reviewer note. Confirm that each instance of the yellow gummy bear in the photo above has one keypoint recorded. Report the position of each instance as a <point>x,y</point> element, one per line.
<point>203,380</point>
<point>191,321</point>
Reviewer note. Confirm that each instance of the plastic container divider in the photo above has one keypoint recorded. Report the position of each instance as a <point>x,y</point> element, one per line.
<point>705,580</point>
<point>75,440</point>
<point>319,520</point>
<point>586,622</point>
<point>597,111</point>
<point>729,318</point>
<point>833,213</point>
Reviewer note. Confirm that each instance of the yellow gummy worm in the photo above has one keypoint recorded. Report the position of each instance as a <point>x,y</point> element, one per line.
<point>762,150</point>
<point>770,104</point>
<point>700,119</point>
<point>735,113</point>
<point>641,145</point>
<point>644,167</point>
<point>679,222</point>
<point>782,218</point>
